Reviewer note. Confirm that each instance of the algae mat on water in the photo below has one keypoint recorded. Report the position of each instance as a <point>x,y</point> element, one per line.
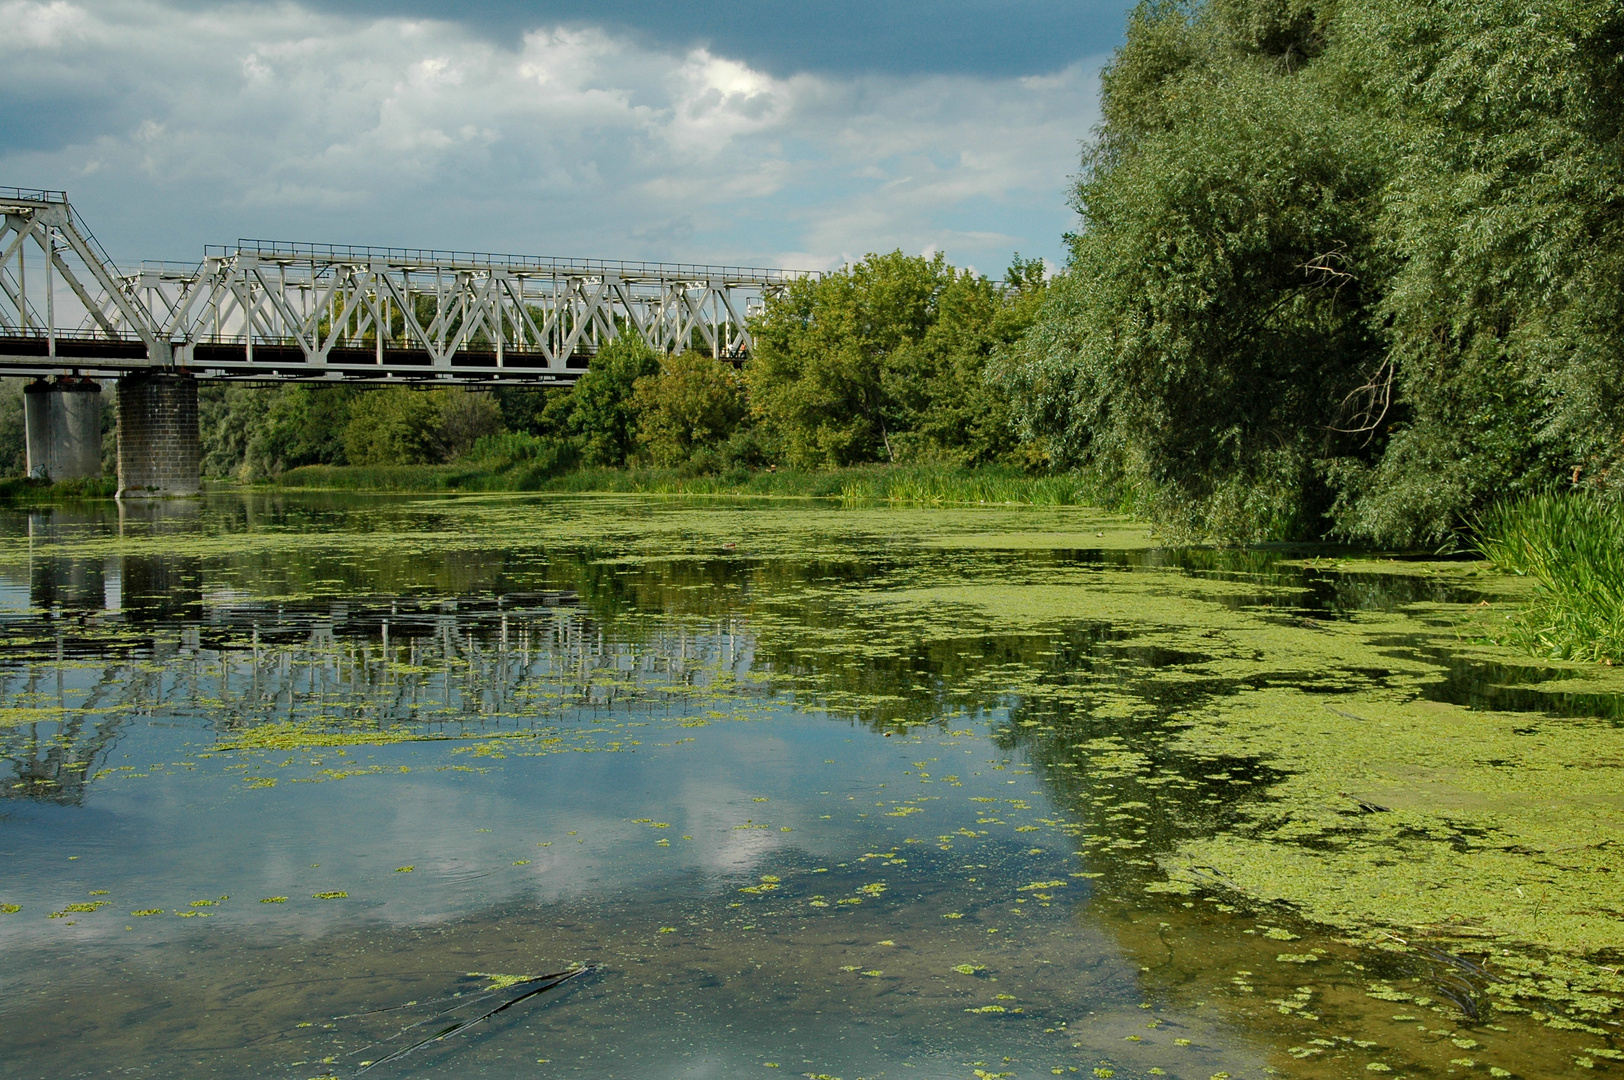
<point>1392,810</point>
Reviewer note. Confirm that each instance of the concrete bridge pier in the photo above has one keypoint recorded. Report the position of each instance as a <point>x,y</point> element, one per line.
<point>157,436</point>
<point>62,428</point>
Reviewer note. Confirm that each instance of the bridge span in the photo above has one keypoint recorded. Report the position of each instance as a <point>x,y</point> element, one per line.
<point>270,311</point>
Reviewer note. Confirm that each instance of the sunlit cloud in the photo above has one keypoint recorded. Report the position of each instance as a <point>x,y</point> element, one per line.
<point>172,126</point>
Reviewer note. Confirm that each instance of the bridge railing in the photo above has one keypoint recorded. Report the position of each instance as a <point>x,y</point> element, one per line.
<point>426,258</point>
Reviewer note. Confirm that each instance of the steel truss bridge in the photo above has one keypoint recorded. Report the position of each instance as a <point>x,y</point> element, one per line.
<point>269,310</point>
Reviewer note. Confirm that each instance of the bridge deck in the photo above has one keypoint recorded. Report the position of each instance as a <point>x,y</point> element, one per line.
<point>28,356</point>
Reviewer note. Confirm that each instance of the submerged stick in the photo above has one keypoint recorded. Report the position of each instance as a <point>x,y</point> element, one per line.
<point>550,981</point>
<point>461,1004</point>
<point>1468,966</point>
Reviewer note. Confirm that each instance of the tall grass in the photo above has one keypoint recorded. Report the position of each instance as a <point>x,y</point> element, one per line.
<point>1573,547</point>
<point>525,463</point>
<point>23,491</point>
<point>946,486</point>
<point>507,462</point>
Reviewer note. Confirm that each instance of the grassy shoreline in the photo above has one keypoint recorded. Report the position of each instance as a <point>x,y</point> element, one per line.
<point>911,485</point>
<point>24,491</point>
<point>1570,547</point>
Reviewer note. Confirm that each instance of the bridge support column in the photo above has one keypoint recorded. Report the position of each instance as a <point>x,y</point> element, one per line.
<point>157,436</point>
<point>62,427</point>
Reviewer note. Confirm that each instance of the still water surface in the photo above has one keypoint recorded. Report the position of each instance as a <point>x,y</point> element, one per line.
<point>290,782</point>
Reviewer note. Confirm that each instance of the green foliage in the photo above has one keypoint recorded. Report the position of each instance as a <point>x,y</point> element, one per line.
<point>692,404</point>
<point>601,413</point>
<point>392,426</point>
<point>462,419</point>
<point>256,433</point>
<point>23,491</point>
<point>1215,314</point>
<point>928,485</point>
<point>888,360</point>
<point>512,462</point>
<point>525,460</point>
<point>1507,304</point>
<point>538,412</point>
<point>825,357</point>
<point>401,426</point>
<point>1348,265</point>
<point>13,439</point>
<point>1573,546</point>
<point>951,385</point>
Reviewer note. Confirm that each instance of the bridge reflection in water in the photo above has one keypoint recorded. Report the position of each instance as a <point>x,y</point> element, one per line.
<point>97,642</point>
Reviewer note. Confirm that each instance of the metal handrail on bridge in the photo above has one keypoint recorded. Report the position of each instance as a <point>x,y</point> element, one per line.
<point>362,255</point>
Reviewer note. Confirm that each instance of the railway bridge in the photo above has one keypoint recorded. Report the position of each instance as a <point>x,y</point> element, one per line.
<point>272,311</point>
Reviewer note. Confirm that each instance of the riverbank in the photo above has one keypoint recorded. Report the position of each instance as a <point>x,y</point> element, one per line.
<point>908,485</point>
<point>23,491</point>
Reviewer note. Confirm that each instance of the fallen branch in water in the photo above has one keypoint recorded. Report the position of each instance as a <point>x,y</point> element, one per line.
<point>549,982</point>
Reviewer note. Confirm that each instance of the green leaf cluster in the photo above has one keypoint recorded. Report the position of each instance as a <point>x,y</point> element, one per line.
<point>258,433</point>
<point>400,426</point>
<point>1344,265</point>
<point>600,413</point>
<point>693,405</point>
<point>894,358</point>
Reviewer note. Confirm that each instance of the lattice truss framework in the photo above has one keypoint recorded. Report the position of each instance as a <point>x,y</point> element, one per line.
<point>266,309</point>
<point>44,251</point>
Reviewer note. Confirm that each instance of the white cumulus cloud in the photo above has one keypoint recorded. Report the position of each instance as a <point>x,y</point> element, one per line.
<point>172,126</point>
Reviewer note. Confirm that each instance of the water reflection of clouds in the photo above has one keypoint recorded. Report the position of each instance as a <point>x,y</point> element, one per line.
<point>184,834</point>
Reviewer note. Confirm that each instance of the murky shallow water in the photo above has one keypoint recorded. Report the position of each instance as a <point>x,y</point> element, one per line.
<point>814,791</point>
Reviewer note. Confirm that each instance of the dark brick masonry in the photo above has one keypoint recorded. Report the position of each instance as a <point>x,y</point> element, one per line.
<point>157,436</point>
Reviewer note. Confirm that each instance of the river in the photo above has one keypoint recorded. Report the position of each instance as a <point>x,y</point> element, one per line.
<point>296,785</point>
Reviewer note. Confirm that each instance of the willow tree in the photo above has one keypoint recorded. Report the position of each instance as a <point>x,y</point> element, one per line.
<point>1348,265</point>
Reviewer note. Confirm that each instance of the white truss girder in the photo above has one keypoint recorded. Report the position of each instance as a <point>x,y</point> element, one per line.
<point>274,310</point>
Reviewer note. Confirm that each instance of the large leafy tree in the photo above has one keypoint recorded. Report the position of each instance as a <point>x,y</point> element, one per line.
<point>823,351</point>
<point>888,360</point>
<point>257,433</point>
<point>1505,311</point>
<point>392,426</point>
<point>401,426</point>
<point>1215,316</point>
<point>1348,257</point>
<point>601,413</point>
<point>692,404</point>
<point>951,385</point>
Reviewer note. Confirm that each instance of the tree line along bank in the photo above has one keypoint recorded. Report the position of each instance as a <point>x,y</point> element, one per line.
<point>1342,268</point>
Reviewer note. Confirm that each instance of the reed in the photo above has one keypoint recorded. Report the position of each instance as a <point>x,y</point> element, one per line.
<point>524,463</point>
<point>1573,547</point>
<point>22,491</point>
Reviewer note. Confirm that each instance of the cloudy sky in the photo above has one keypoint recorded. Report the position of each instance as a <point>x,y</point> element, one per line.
<point>767,132</point>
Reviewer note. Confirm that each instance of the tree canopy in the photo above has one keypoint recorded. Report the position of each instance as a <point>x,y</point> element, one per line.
<point>1344,265</point>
